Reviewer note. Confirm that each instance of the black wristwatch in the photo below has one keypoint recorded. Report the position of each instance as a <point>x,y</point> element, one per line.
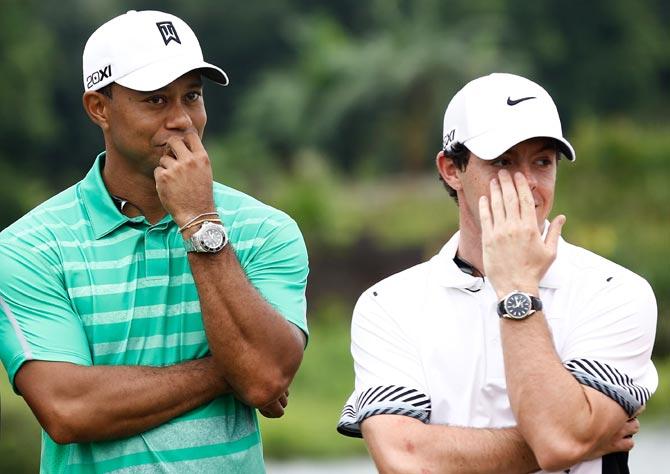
<point>518,305</point>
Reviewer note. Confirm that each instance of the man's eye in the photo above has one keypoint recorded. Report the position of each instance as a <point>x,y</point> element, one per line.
<point>155,99</point>
<point>501,162</point>
<point>193,96</point>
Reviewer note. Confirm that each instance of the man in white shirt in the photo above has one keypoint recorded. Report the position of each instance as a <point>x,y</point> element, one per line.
<point>511,350</point>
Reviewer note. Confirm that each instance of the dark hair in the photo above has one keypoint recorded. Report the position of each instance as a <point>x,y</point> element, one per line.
<point>106,90</point>
<point>459,155</point>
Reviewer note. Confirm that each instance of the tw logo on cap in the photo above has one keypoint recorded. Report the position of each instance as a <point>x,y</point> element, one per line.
<point>168,32</point>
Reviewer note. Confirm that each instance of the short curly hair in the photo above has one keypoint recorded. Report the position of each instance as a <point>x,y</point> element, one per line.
<point>106,90</point>
<point>460,156</point>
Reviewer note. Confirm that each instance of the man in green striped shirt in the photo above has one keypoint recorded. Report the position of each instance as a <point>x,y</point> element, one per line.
<point>147,312</point>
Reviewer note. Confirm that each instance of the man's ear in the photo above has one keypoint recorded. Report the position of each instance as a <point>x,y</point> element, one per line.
<point>96,106</point>
<point>448,170</point>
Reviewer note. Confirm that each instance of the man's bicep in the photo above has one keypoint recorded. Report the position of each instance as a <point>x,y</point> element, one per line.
<point>47,387</point>
<point>609,350</point>
<point>37,321</point>
<point>278,268</point>
<point>606,411</point>
<point>39,381</point>
<point>388,369</point>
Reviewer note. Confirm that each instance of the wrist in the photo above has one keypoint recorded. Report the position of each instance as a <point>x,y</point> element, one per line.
<point>505,290</point>
<point>187,220</point>
<point>188,233</point>
<point>183,218</point>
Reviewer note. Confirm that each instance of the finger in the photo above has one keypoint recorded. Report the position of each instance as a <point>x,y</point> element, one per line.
<point>193,142</point>
<point>272,410</point>
<point>509,194</point>
<point>177,146</point>
<point>485,216</point>
<point>166,161</point>
<point>497,206</point>
<point>526,201</point>
<point>283,401</point>
<point>633,426</point>
<point>554,232</point>
<point>624,444</point>
<point>167,151</point>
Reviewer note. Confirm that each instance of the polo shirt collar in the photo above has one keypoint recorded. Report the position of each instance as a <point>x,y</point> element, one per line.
<point>447,272</point>
<point>449,275</point>
<point>102,212</point>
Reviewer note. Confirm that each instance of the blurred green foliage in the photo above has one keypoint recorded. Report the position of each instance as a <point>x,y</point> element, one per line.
<point>334,114</point>
<point>317,395</point>
<point>19,432</point>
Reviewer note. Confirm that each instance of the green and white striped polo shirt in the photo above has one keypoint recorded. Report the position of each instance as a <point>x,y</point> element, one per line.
<point>82,283</point>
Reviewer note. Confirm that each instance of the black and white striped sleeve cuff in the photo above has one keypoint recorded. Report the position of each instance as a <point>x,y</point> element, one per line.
<point>382,400</point>
<point>609,381</point>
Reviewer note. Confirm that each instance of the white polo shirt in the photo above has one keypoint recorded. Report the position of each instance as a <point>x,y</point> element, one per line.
<point>426,341</point>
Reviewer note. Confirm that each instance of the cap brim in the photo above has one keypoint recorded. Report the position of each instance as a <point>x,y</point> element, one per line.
<point>492,144</point>
<point>159,74</point>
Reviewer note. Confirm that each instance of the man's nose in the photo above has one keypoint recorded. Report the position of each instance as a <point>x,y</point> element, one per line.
<point>178,118</point>
<point>529,173</point>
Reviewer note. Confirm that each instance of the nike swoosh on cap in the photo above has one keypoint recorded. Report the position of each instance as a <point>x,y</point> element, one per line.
<point>514,102</point>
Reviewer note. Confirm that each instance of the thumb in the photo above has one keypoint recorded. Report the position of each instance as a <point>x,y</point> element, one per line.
<point>554,232</point>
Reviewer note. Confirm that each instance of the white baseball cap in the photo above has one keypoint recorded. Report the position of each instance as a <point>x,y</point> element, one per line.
<point>144,51</point>
<point>491,114</point>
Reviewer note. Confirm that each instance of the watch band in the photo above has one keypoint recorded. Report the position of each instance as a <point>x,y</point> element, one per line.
<point>210,238</point>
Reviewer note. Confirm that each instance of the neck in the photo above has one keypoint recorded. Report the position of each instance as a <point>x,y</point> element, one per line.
<point>470,243</point>
<point>133,186</point>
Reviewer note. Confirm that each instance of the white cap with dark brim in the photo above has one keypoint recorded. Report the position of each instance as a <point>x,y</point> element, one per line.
<point>491,114</point>
<point>144,51</point>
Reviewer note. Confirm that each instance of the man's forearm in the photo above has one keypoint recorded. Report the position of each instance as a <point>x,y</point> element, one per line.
<point>563,421</point>
<point>256,349</point>
<point>82,404</point>
<point>403,445</point>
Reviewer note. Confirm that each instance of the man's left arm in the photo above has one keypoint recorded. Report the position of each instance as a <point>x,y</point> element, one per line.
<point>563,420</point>
<point>257,350</point>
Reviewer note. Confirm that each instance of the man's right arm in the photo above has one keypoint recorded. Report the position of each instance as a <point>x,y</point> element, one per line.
<point>76,403</point>
<point>401,444</point>
<point>387,362</point>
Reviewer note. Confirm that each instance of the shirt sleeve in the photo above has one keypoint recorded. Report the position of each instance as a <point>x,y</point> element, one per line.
<point>388,372</point>
<point>37,321</point>
<point>278,270</point>
<point>609,346</point>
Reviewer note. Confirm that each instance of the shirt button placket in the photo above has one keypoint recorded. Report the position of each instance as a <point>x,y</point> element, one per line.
<point>156,253</point>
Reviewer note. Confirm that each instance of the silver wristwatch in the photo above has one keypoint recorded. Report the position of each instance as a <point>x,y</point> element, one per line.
<point>210,238</point>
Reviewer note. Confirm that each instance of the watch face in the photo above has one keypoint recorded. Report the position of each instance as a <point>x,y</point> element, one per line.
<point>517,305</point>
<point>212,238</point>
